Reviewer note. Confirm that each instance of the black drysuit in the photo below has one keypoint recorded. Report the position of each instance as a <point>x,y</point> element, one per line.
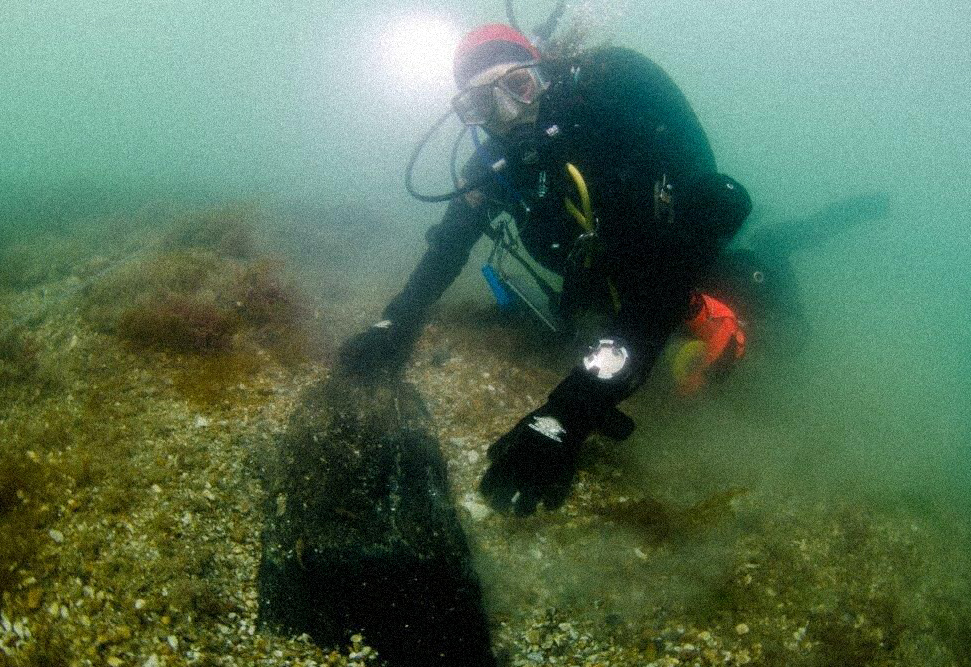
<point>626,126</point>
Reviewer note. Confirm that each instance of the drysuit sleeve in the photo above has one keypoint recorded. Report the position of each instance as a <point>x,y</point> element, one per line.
<point>449,245</point>
<point>655,270</point>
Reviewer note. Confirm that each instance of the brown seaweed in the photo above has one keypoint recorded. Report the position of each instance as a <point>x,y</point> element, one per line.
<point>665,521</point>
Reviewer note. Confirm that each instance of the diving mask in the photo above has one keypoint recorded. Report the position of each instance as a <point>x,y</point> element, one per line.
<point>501,99</point>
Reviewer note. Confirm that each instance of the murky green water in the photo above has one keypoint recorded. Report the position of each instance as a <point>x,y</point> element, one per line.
<point>121,121</point>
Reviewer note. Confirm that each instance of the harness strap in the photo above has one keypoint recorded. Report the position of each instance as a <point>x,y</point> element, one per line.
<point>584,216</point>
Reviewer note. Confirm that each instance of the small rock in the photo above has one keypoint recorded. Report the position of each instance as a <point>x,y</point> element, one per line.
<point>152,661</point>
<point>200,422</point>
<point>741,628</point>
<point>478,511</point>
<point>56,535</point>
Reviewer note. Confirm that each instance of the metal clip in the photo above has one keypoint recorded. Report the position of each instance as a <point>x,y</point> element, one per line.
<point>663,201</point>
<point>583,247</point>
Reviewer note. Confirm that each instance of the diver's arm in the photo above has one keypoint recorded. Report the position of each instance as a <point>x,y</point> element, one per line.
<point>449,245</point>
<point>385,346</point>
<point>537,460</point>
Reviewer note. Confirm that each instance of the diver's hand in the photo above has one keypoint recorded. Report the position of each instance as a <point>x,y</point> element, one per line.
<point>535,462</point>
<point>381,348</point>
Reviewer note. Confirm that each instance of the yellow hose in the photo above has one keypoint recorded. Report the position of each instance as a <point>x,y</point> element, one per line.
<point>583,214</point>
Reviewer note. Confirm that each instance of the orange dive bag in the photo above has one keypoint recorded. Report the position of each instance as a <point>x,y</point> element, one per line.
<point>718,341</point>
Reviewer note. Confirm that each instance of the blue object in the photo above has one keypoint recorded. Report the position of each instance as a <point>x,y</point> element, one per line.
<point>504,298</point>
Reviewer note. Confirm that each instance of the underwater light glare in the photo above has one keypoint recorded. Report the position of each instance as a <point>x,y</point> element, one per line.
<point>418,50</point>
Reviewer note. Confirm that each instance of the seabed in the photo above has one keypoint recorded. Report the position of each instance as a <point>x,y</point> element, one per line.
<point>130,494</point>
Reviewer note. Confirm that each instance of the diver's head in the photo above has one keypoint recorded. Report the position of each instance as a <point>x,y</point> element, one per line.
<point>500,83</point>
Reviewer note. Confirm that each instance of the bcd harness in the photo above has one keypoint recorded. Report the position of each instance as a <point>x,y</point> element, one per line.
<point>506,243</point>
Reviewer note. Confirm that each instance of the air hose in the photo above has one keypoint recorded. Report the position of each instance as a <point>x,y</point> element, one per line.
<point>458,191</point>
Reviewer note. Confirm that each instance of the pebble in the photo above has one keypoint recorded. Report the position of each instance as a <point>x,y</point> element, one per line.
<point>741,628</point>
<point>56,535</point>
<point>478,511</point>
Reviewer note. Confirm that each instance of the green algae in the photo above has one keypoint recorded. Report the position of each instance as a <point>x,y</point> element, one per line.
<point>664,521</point>
<point>20,354</point>
<point>226,231</point>
<point>769,579</point>
<point>197,292</point>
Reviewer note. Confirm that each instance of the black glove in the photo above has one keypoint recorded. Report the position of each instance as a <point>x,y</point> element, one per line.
<point>535,462</point>
<point>383,347</point>
<point>538,459</point>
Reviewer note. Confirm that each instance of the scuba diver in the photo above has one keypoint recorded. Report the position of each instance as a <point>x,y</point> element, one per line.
<point>596,167</point>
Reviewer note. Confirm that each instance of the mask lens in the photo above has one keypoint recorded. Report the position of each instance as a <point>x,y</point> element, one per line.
<point>521,83</point>
<point>476,105</point>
